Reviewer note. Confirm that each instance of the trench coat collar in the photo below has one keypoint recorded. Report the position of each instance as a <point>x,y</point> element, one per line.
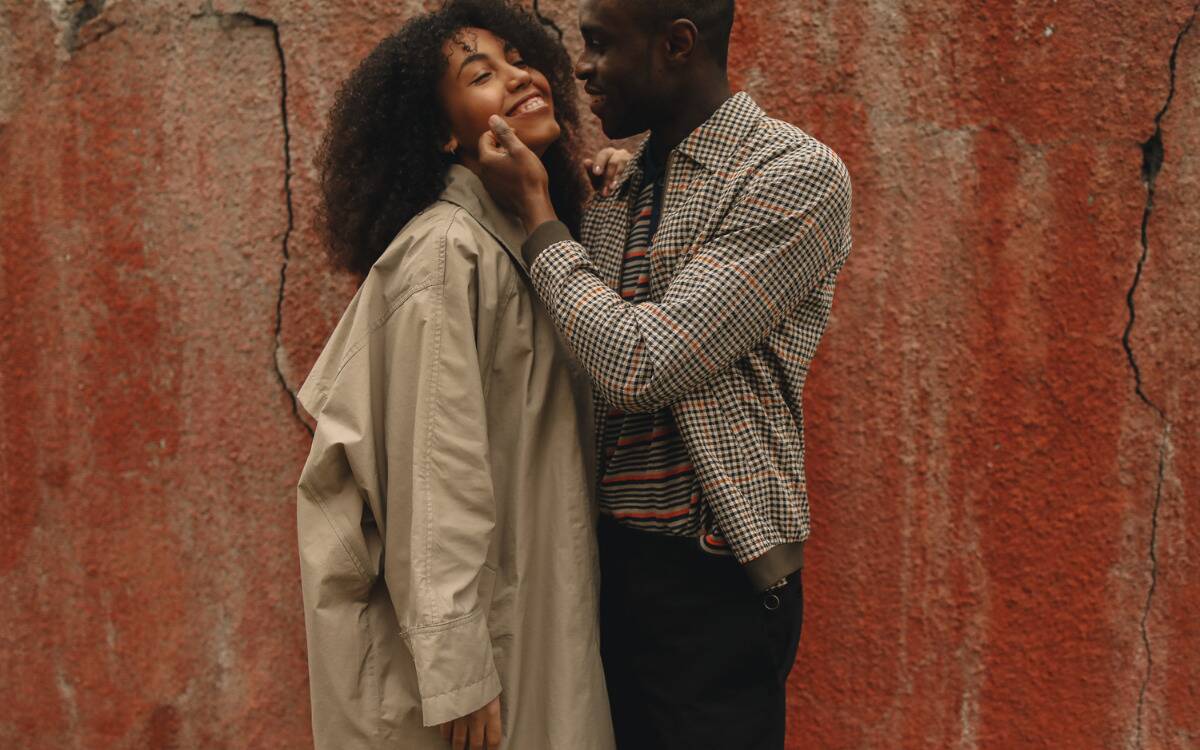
<point>465,190</point>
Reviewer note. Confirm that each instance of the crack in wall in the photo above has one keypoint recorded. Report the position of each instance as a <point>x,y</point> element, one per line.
<point>1153,155</point>
<point>102,28</point>
<point>277,354</point>
<point>291,216</point>
<point>549,23</point>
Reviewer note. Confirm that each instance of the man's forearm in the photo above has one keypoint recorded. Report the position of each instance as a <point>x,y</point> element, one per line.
<point>537,210</point>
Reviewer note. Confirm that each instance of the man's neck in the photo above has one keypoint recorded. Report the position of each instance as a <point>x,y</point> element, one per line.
<point>689,115</point>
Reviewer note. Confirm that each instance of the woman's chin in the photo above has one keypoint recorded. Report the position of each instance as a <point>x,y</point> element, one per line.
<point>540,137</point>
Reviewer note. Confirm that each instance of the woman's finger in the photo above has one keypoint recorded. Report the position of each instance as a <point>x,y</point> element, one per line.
<point>610,176</point>
<point>589,168</point>
<point>494,730</point>
<point>477,731</point>
<point>459,740</point>
<point>603,158</point>
<point>445,730</point>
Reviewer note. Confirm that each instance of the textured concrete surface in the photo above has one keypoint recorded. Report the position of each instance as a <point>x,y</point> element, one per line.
<point>1004,427</point>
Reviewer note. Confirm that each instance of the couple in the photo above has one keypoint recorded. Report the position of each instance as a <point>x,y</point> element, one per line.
<point>458,589</point>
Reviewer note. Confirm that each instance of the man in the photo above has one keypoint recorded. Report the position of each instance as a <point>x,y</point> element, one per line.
<point>695,299</point>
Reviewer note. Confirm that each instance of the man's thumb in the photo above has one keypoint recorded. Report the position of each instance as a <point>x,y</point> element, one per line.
<point>504,133</point>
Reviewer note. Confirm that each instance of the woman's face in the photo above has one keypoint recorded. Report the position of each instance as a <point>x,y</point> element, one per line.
<point>485,76</point>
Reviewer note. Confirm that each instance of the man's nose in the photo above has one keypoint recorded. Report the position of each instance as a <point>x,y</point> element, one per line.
<point>584,67</point>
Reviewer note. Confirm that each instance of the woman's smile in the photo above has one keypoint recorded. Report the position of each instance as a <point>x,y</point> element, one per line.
<point>529,104</point>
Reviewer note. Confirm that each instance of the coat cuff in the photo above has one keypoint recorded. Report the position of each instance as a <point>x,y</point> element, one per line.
<point>547,234</point>
<point>456,673</point>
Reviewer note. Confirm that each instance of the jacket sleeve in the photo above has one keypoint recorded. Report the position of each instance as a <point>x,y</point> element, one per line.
<point>787,231</point>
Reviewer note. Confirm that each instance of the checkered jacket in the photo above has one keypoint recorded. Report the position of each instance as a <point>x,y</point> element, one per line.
<point>755,227</point>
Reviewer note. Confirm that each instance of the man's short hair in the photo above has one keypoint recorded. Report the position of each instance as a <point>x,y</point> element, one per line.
<point>714,19</point>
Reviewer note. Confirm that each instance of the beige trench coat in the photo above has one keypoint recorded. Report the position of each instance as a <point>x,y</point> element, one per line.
<point>447,407</point>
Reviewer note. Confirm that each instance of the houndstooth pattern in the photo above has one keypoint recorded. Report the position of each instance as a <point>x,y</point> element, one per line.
<point>755,228</point>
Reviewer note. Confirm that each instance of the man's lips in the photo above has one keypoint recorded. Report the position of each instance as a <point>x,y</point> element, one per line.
<point>598,99</point>
<point>533,103</point>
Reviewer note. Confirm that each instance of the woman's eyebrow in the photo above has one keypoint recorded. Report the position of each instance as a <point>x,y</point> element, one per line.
<point>470,59</point>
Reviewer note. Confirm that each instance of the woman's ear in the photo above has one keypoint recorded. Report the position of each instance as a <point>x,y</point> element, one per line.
<point>450,146</point>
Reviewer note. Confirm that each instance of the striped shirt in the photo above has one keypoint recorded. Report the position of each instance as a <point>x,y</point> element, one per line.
<point>648,481</point>
<point>755,229</point>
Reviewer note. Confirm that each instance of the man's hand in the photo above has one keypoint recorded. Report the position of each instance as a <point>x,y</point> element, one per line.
<point>477,730</point>
<point>606,167</point>
<point>514,175</point>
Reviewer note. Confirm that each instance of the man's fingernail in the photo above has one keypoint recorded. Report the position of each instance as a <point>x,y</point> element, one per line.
<point>596,169</point>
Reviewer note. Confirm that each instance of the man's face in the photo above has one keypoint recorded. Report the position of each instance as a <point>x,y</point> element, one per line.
<point>617,67</point>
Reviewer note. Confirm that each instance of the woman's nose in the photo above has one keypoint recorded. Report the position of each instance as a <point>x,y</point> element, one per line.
<point>520,78</point>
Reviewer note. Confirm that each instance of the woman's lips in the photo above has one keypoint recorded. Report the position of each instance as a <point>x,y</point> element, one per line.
<point>596,104</point>
<point>532,104</point>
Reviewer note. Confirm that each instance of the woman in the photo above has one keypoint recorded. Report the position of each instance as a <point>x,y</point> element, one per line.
<point>446,533</point>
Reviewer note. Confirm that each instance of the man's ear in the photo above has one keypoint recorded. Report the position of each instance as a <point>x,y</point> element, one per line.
<point>450,146</point>
<point>681,39</point>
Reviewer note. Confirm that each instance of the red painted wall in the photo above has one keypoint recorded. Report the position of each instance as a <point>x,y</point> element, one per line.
<point>1003,420</point>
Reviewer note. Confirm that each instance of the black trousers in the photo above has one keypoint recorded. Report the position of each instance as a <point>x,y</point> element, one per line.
<point>694,657</point>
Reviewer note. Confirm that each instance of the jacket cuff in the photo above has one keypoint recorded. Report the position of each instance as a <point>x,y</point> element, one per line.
<point>547,234</point>
<point>456,673</point>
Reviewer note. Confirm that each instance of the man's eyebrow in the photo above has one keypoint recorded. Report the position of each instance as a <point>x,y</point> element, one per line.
<point>470,59</point>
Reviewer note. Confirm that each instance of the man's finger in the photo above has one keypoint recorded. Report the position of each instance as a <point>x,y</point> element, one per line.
<point>489,146</point>
<point>445,730</point>
<point>508,139</point>
<point>459,741</point>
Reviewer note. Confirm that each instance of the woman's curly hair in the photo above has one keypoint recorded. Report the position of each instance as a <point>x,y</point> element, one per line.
<point>381,161</point>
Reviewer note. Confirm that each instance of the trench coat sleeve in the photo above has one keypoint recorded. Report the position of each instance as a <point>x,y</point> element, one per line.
<point>340,554</point>
<point>452,513</point>
<point>401,431</point>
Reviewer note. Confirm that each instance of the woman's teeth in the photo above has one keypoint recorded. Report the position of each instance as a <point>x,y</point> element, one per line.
<point>531,105</point>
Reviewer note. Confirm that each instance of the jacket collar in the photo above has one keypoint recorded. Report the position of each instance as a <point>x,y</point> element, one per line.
<point>465,190</point>
<point>713,143</point>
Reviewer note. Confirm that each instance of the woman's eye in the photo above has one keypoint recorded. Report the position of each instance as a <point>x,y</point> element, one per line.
<point>521,64</point>
<point>481,78</point>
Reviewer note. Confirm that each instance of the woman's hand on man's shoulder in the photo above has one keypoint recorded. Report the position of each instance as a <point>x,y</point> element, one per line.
<point>605,167</point>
